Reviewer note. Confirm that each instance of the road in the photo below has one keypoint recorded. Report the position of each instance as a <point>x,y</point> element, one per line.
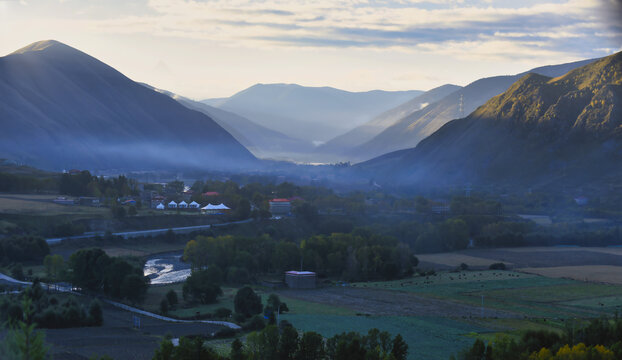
<point>131,234</point>
<point>131,309</point>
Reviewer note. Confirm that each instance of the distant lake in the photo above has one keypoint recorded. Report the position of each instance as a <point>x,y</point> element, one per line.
<point>166,268</point>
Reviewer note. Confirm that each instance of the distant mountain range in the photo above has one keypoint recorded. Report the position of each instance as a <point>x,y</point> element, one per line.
<point>542,131</point>
<point>341,147</point>
<point>261,141</point>
<point>61,108</point>
<point>313,114</point>
<point>415,126</point>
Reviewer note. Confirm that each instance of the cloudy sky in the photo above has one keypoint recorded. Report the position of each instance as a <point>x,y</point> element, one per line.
<point>214,48</point>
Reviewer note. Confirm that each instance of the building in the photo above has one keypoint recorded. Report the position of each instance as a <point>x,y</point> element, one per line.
<point>88,201</point>
<point>300,279</point>
<point>280,206</point>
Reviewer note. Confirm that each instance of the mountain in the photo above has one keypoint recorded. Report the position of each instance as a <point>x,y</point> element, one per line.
<point>61,108</point>
<point>261,141</point>
<point>338,147</point>
<point>313,114</point>
<point>542,131</point>
<point>410,130</point>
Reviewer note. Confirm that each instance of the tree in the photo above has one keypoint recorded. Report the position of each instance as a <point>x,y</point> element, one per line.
<point>288,344</point>
<point>311,347</point>
<point>132,211</point>
<point>243,209</point>
<point>400,348</point>
<point>203,285</point>
<point>247,302</point>
<point>22,341</point>
<point>237,350</point>
<point>134,287</point>
<point>54,265</point>
<point>88,268</point>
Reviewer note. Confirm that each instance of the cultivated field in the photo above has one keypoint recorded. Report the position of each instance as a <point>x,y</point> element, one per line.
<point>594,273</point>
<point>43,205</point>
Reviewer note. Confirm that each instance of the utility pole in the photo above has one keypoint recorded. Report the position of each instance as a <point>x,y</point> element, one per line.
<point>482,306</point>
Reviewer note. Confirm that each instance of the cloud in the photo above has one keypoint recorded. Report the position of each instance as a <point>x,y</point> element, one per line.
<point>452,26</point>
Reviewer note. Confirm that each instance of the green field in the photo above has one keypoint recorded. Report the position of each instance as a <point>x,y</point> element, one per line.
<point>524,294</point>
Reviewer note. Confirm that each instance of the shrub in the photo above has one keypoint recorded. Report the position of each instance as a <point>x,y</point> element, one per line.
<point>497,266</point>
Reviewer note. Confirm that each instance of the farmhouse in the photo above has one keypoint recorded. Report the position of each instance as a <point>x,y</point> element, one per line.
<point>300,279</point>
<point>280,206</point>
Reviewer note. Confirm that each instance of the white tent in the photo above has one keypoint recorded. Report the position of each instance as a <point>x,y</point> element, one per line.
<point>210,207</point>
<point>160,206</point>
<point>172,205</point>
<point>183,204</point>
<point>222,207</point>
<point>194,205</point>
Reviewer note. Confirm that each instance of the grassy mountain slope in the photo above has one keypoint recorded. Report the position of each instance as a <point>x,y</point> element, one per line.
<point>61,108</point>
<point>541,131</point>
<point>410,130</point>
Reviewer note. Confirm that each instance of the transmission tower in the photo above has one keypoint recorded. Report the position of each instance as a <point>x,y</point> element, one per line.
<point>461,106</point>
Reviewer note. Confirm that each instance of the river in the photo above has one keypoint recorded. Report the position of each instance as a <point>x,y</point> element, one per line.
<point>166,268</point>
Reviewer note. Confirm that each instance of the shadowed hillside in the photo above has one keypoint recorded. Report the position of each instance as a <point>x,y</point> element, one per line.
<point>61,108</point>
<point>541,131</point>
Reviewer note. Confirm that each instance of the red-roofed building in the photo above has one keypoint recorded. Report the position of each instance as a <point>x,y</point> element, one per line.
<point>280,206</point>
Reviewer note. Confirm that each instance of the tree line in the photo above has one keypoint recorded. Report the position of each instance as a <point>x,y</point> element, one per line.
<point>600,339</point>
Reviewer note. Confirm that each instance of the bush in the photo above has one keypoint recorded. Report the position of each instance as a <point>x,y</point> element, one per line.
<point>254,324</point>
<point>225,333</point>
<point>222,313</point>
<point>96,316</point>
<point>497,266</point>
<point>171,297</point>
<point>164,306</point>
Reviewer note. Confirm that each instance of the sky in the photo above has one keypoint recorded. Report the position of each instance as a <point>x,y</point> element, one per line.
<point>215,48</point>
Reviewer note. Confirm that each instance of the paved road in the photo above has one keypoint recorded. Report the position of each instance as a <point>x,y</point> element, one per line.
<point>123,306</point>
<point>131,234</point>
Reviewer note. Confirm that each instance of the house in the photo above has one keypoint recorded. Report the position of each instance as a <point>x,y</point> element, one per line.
<point>300,279</point>
<point>182,205</point>
<point>194,205</point>
<point>88,201</point>
<point>63,201</point>
<point>160,206</point>
<point>280,206</point>
<point>172,205</point>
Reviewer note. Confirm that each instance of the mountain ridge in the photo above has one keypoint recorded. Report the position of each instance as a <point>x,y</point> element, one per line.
<point>541,130</point>
<point>61,107</point>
